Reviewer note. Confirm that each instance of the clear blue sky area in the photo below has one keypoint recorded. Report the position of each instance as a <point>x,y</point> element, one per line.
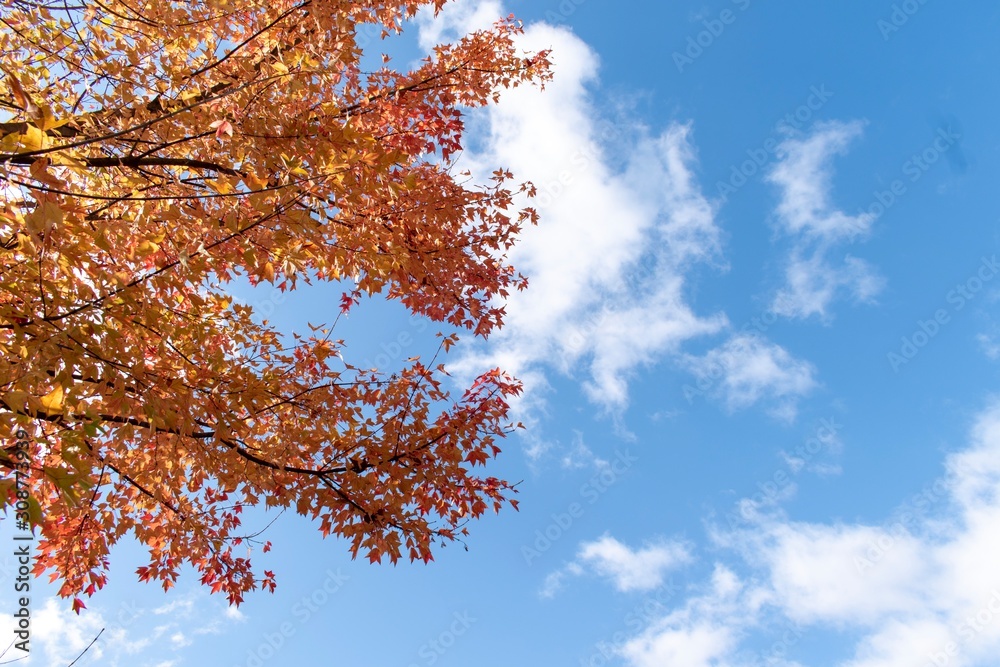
<point>760,349</point>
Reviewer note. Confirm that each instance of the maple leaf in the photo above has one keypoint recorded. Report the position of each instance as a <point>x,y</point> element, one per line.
<point>53,401</point>
<point>348,301</point>
<point>222,127</point>
<point>146,175</point>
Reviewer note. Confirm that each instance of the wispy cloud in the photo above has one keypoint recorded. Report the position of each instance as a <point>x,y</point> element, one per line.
<point>816,272</point>
<point>748,369</point>
<point>579,455</point>
<point>628,569</point>
<point>989,345</point>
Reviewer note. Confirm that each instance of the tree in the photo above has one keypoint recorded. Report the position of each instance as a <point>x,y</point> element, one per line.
<point>151,155</point>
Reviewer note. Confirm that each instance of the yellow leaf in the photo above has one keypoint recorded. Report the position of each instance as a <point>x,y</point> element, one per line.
<point>67,160</point>
<point>146,248</point>
<point>254,183</point>
<point>53,401</point>
<point>47,121</point>
<point>32,139</point>
<point>221,186</point>
<point>268,272</point>
<point>10,142</point>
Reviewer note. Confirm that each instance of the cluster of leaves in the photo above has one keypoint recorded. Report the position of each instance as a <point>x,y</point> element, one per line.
<point>150,155</point>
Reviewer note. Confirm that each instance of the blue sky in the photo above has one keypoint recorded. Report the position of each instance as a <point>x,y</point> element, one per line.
<point>760,350</point>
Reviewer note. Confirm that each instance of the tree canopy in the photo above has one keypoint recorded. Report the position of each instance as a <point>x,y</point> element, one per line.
<point>150,154</point>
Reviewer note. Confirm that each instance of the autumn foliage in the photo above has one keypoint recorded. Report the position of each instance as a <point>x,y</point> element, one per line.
<point>152,152</point>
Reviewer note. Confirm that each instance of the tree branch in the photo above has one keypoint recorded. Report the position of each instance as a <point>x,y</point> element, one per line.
<point>137,162</point>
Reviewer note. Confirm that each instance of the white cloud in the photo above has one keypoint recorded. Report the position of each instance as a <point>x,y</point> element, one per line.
<point>804,174</point>
<point>813,282</point>
<point>233,612</point>
<point>815,568</point>
<point>554,580</point>
<point>805,213</point>
<point>921,590</point>
<point>989,345</point>
<point>694,635</point>
<point>62,634</point>
<point>641,569</point>
<point>632,570</point>
<point>697,645</point>
<point>180,606</point>
<point>747,369</point>
<point>608,263</point>
<point>458,19</point>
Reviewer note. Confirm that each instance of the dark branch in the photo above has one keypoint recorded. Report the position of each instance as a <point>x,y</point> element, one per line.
<point>134,162</point>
